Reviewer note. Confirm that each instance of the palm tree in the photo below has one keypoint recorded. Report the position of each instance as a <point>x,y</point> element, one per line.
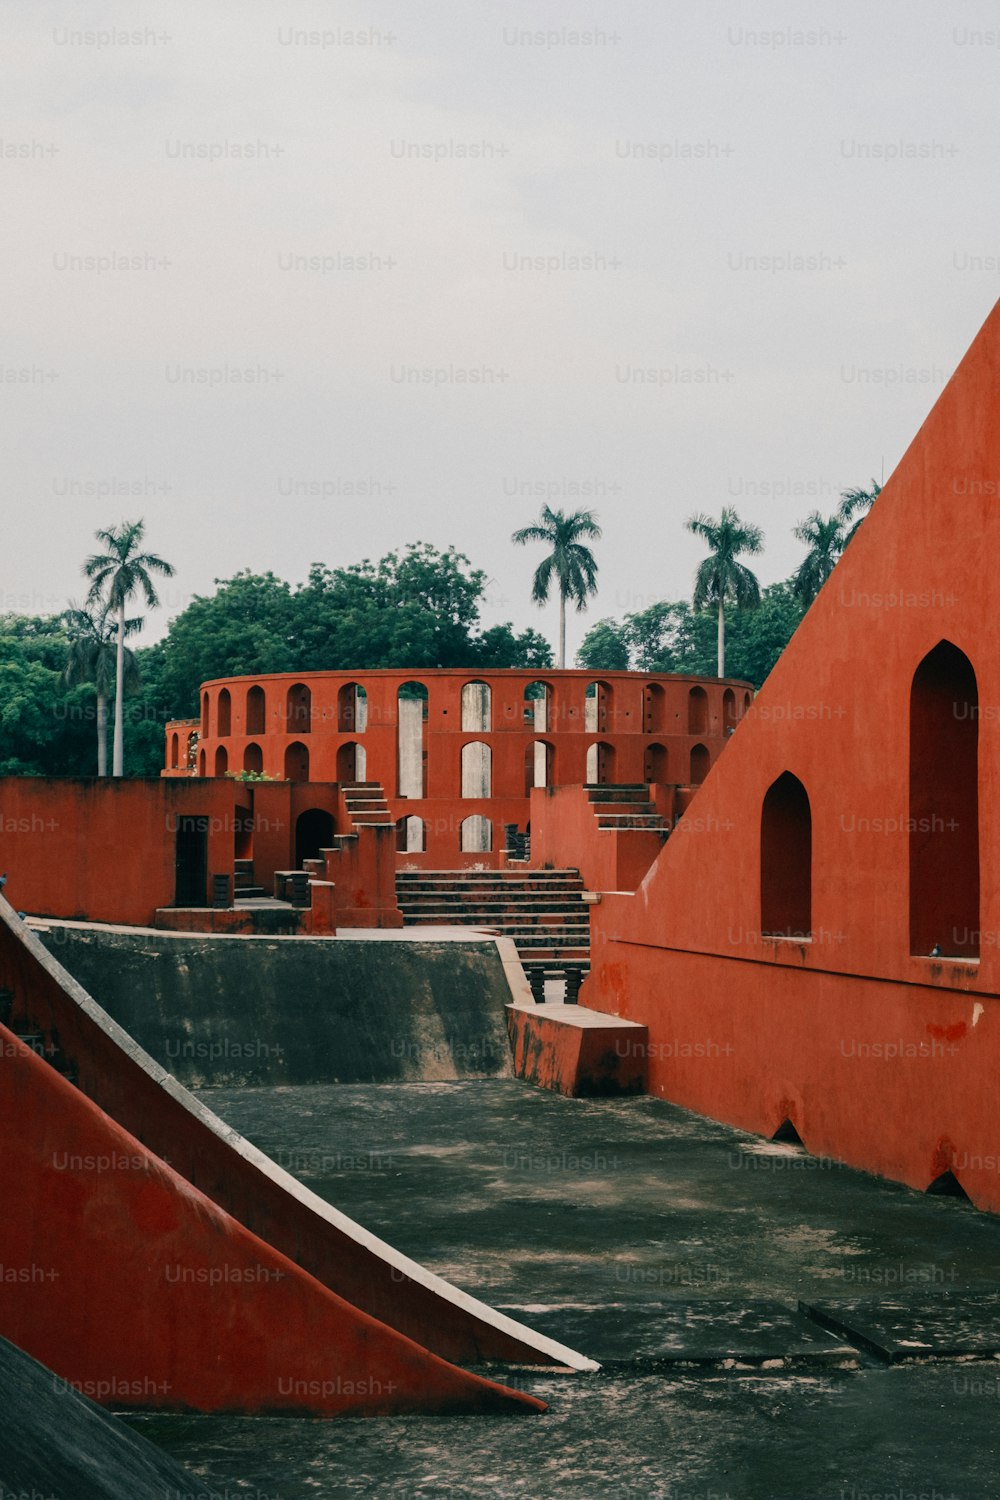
<point>117,573</point>
<point>573,565</point>
<point>824,536</point>
<point>722,578</point>
<point>91,652</point>
<point>853,501</point>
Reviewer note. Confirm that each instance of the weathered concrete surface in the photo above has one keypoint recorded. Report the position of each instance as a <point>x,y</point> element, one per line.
<point>56,1444</point>
<point>915,1325</point>
<point>246,1010</point>
<point>583,1053</point>
<point>590,1210</point>
<point>696,1332</point>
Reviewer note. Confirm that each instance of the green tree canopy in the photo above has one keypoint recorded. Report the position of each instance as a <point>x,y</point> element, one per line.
<point>605,648</point>
<point>670,636</point>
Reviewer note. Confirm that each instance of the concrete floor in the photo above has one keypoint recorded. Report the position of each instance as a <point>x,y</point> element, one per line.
<point>640,1234</point>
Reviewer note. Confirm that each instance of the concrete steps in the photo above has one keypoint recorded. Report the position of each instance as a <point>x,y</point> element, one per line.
<point>366,803</point>
<point>624,807</point>
<point>542,911</point>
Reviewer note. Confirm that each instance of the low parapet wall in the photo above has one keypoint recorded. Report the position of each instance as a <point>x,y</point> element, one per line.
<point>241,1010</point>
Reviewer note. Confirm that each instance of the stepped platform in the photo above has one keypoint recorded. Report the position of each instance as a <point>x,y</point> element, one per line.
<point>543,912</point>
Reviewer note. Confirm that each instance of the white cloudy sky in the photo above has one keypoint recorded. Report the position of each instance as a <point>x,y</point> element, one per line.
<point>682,146</point>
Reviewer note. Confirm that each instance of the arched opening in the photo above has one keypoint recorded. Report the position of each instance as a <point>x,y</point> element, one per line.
<point>243,833</point>
<point>600,764</point>
<point>202,764</point>
<point>175,750</point>
<point>697,711</point>
<point>352,762</point>
<point>411,709</point>
<point>221,761</point>
<point>654,708</point>
<point>477,769</point>
<point>539,759</point>
<point>297,762</point>
<point>191,753</point>
<point>410,835</point>
<point>729,719</point>
<point>947,1186</point>
<point>253,760</point>
<point>655,765</point>
<point>787,1134</point>
<point>255,710</point>
<point>944,805</point>
<point>746,702</point>
<point>225,714</point>
<point>786,860</point>
<point>476,835</point>
<point>313,832</point>
<point>477,708</point>
<point>298,709</point>
<point>700,761</point>
<point>204,716</point>
<point>597,708</point>
<point>352,709</point>
<point>538,706</point>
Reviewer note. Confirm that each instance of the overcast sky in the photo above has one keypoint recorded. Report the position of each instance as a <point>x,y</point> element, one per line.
<point>784,215</point>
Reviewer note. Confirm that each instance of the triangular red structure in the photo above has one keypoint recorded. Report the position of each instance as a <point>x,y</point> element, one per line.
<point>856,803</point>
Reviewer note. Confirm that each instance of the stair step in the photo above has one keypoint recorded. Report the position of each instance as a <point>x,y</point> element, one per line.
<point>624,824</point>
<point>616,786</point>
<point>520,888</point>
<point>473,875</point>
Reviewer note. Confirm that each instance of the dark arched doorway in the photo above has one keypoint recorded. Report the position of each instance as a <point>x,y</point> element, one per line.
<point>313,832</point>
<point>944,805</point>
<point>786,859</point>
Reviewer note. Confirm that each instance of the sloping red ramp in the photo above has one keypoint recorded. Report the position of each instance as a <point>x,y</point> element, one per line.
<point>154,1258</point>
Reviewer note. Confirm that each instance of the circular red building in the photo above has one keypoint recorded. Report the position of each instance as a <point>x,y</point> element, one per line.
<point>457,754</point>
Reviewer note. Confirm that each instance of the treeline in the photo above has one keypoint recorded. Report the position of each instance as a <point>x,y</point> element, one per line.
<point>672,636</point>
<point>414,608</point>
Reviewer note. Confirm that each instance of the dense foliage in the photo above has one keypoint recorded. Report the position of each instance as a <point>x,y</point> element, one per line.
<point>417,608</point>
<point>674,637</point>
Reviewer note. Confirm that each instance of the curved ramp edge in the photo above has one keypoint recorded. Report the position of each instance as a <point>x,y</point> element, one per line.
<point>139,1291</point>
<point>145,1100</point>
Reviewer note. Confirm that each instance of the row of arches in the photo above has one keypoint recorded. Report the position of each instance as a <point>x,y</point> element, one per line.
<point>475,835</point>
<point>352,710</point>
<point>942,821</point>
<point>476,708</point>
<point>476,764</point>
<point>314,832</point>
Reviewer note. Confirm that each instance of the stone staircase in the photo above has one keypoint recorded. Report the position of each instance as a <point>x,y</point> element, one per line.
<point>625,806</point>
<point>245,887</point>
<point>365,802</point>
<point>543,911</point>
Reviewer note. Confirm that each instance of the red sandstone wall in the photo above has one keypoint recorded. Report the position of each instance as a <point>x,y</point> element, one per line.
<point>685,954</point>
<point>565,833</point>
<point>104,849</point>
